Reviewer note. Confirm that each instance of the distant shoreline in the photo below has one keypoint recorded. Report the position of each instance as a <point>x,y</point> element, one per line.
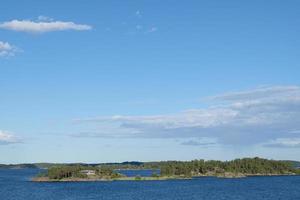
<point>165,170</point>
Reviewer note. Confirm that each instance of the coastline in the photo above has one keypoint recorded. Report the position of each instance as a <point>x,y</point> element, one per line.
<point>169,170</point>
<point>163,178</point>
<point>46,179</point>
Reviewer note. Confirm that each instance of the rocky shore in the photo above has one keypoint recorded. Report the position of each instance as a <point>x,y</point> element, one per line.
<point>159,178</point>
<point>46,179</point>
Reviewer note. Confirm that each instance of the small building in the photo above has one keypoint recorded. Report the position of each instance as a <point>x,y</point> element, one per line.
<point>88,172</point>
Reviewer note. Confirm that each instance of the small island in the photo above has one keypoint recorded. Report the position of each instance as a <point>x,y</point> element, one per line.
<point>237,168</point>
<point>88,173</point>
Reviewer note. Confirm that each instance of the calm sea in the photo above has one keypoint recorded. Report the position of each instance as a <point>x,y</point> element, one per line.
<point>16,185</point>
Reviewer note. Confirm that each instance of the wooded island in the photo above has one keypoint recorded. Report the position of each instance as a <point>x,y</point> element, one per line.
<point>170,170</point>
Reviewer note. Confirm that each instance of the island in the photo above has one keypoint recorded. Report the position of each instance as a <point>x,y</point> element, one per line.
<point>237,168</point>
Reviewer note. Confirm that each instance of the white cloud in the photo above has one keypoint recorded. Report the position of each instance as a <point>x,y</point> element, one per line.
<point>7,49</point>
<point>7,138</point>
<point>241,118</point>
<point>44,24</point>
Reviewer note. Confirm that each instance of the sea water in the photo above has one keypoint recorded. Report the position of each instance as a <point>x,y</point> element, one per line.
<point>16,185</point>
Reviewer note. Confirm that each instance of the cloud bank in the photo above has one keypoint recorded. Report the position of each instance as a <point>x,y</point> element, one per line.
<point>259,116</point>
<point>44,24</point>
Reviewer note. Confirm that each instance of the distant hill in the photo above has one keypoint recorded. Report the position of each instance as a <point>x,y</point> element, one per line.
<point>18,166</point>
<point>48,165</point>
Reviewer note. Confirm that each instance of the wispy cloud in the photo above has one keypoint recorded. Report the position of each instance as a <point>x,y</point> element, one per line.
<point>259,93</point>
<point>207,142</point>
<point>7,49</point>
<point>138,13</point>
<point>8,138</point>
<point>284,143</point>
<point>139,27</point>
<point>42,25</point>
<point>152,29</point>
<point>45,18</point>
<point>240,118</point>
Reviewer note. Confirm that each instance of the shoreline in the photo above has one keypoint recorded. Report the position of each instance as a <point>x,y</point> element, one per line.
<point>46,179</point>
<point>164,178</point>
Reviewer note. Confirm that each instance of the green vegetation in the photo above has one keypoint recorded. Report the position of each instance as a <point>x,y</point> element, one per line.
<point>155,175</point>
<point>171,170</point>
<point>65,172</point>
<point>297,171</point>
<point>79,172</point>
<point>138,178</point>
<point>246,166</point>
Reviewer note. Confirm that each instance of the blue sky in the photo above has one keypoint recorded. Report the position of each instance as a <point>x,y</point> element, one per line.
<point>149,80</point>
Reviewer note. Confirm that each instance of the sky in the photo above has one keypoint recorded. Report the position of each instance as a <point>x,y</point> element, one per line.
<point>112,81</point>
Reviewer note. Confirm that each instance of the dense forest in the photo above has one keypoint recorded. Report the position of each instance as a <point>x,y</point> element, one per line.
<point>246,166</point>
<point>75,171</point>
<point>106,172</point>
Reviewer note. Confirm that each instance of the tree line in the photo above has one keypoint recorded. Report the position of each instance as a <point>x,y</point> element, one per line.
<point>75,171</point>
<point>247,166</point>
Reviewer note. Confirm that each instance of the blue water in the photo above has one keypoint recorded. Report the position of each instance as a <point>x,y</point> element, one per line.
<point>15,185</point>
